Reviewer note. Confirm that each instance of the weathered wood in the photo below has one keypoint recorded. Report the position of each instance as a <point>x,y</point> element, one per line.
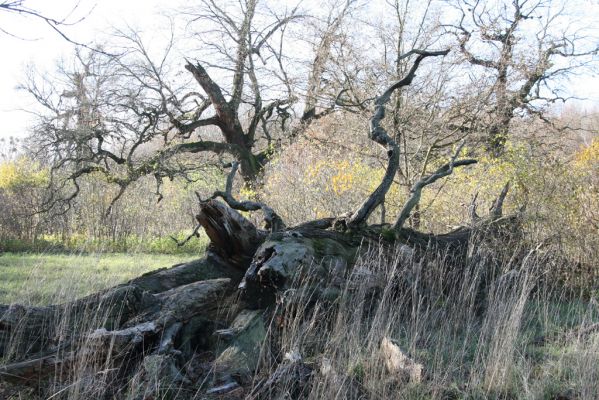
<point>165,312</point>
<point>155,318</point>
<point>397,363</point>
<point>291,379</point>
<point>27,330</point>
<point>116,305</point>
<point>272,221</point>
<point>212,266</point>
<point>149,330</point>
<point>243,344</point>
<point>31,371</point>
<point>291,257</point>
<point>232,236</point>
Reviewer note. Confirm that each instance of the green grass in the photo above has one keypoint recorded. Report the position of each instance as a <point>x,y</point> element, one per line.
<point>39,279</point>
<point>78,243</point>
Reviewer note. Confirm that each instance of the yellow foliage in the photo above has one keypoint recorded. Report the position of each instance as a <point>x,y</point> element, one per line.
<point>588,156</point>
<point>343,176</point>
<point>22,173</point>
<point>561,196</point>
<point>247,193</point>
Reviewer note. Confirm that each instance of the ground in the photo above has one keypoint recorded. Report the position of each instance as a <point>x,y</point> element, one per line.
<point>542,346</point>
<point>39,279</point>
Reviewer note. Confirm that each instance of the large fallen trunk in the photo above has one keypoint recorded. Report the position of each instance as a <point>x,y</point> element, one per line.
<point>116,305</point>
<point>164,313</point>
<point>195,326</point>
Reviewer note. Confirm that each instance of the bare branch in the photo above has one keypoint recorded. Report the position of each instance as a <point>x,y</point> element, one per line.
<point>256,48</point>
<point>193,234</point>
<point>321,57</point>
<point>380,136</point>
<point>474,217</point>
<point>416,191</point>
<point>243,51</point>
<point>57,25</point>
<point>496,210</point>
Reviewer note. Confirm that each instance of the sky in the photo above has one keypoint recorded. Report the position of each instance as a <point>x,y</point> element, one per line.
<point>36,43</point>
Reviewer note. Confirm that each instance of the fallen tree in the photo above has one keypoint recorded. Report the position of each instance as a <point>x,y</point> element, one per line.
<point>202,327</point>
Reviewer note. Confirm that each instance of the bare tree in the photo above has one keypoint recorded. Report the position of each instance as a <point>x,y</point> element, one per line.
<point>523,48</point>
<point>118,105</point>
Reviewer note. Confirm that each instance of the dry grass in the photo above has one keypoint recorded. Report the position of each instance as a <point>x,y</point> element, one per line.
<point>494,327</point>
<point>490,329</point>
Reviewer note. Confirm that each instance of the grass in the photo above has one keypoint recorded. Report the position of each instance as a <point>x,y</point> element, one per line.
<point>78,243</point>
<point>524,339</point>
<point>39,279</point>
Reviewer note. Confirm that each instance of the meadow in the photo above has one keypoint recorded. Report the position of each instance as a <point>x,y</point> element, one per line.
<point>527,339</point>
<point>44,278</point>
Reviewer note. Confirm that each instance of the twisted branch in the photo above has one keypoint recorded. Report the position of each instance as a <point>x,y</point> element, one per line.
<point>380,135</point>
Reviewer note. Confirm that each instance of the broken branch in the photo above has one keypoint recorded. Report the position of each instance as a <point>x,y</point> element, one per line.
<point>272,220</point>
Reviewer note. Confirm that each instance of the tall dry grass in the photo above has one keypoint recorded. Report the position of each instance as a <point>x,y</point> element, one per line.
<point>496,325</point>
<point>80,368</point>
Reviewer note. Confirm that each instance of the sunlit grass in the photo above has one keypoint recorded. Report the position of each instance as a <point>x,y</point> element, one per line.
<point>39,279</point>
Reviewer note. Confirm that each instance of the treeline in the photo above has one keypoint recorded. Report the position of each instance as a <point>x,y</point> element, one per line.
<point>94,221</point>
<point>325,172</point>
